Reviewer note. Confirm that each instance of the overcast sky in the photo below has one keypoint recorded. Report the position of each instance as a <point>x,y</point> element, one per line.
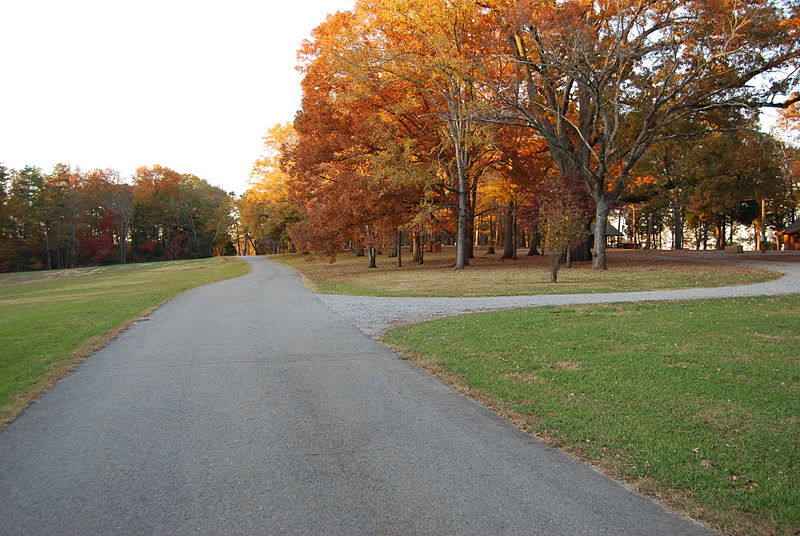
<point>191,85</point>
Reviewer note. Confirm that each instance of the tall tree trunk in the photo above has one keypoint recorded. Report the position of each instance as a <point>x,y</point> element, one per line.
<point>677,225</point>
<point>462,259</point>
<point>372,253</point>
<point>399,249</point>
<point>457,127</point>
<point>601,216</point>
<point>509,249</point>
<point>473,195</point>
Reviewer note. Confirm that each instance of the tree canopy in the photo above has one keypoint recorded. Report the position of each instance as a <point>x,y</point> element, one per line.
<point>425,115</point>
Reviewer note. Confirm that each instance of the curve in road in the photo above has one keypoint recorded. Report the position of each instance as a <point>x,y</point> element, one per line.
<point>248,407</point>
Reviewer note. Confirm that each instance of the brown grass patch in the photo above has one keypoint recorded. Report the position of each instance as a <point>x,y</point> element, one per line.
<point>783,337</point>
<point>492,276</point>
<point>566,365</point>
<point>528,377</point>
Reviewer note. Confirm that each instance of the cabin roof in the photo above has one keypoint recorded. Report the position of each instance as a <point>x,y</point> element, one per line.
<point>610,230</point>
<point>793,228</point>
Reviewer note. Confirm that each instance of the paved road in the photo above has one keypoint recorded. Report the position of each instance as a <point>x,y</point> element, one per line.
<point>248,407</point>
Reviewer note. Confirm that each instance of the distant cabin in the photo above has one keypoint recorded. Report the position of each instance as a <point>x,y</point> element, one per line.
<point>611,231</point>
<point>789,238</point>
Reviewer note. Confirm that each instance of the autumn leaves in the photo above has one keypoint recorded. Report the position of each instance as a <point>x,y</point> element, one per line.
<point>423,116</point>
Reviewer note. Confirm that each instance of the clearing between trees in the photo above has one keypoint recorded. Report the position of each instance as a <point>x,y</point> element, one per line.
<point>629,271</point>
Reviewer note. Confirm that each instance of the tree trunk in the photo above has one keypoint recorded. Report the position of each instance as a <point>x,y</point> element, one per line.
<point>490,241</point>
<point>462,259</point>
<point>462,248</point>
<point>705,236</point>
<point>123,242</point>
<point>601,216</point>
<point>554,263</point>
<point>372,253</point>
<point>470,232</point>
<point>48,260</point>
<point>677,226</point>
<point>399,249</point>
<point>419,254</point>
<point>534,241</point>
<point>582,252</point>
<point>508,233</point>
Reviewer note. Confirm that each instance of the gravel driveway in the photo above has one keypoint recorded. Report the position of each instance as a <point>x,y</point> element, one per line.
<point>375,314</point>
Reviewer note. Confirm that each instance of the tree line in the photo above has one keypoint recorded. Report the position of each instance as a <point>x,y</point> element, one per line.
<point>68,218</point>
<point>496,121</point>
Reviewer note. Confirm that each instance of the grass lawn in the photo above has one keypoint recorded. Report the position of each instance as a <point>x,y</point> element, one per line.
<point>50,321</point>
<point>492,276</point>
<point>694,402</point>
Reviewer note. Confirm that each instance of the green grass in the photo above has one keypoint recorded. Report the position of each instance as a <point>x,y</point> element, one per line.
<point>694,402</point>
<point>50,321</point>
<point>491,276</point>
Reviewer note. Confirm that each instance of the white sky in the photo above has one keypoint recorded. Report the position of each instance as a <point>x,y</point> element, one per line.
<point>191,85</point>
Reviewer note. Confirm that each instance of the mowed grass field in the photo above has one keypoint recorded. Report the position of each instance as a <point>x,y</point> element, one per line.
<point>50,321</point>
<point>491,276</point>
<point>695,402</point>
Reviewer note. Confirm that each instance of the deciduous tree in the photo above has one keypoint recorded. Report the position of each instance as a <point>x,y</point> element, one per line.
<point>603,82</point>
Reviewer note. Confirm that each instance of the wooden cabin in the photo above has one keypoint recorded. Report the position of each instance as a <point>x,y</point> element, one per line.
<point>789,238</point>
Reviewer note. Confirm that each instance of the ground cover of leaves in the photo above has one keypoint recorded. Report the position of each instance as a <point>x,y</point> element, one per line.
<point>491,276</point>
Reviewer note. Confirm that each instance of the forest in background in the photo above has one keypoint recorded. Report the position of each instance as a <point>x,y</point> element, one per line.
<point>68,218</point>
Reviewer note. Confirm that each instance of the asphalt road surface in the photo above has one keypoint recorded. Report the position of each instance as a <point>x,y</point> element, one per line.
<point>248,407</point>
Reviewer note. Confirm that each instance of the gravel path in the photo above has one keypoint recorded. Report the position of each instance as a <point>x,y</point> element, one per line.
<point>375,314</point>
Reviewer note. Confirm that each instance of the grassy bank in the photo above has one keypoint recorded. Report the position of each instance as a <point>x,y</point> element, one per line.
<point>693,402</point>
<point>492,276</point>
<point>50,321</point>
